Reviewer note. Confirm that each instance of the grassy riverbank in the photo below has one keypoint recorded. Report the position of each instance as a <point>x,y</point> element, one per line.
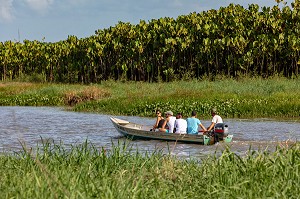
<point>88,172</point>
<point>246,98</point>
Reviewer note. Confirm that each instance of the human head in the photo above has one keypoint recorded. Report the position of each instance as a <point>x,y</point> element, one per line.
<point>194,113</point>
<point>213,111</point>
<point>179,116</point>
<point>169,113</point>
<point>157,112</point>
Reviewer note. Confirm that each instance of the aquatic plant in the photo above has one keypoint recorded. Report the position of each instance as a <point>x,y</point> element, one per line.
<point>88,171</point>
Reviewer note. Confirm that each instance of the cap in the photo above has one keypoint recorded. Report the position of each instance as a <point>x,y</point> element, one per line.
<point>169,112</point>
<point>214,110</point>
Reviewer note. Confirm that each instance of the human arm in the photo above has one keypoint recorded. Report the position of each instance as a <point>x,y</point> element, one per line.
<point>211,126</point>
<point>156,123</point>
<point>165,123</point>
<point>203,127</point>
<point>175,125</point>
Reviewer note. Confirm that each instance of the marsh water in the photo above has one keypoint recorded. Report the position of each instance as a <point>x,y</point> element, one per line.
<point>28,126</point>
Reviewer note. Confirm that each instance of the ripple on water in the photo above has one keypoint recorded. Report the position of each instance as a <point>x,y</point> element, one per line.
<point>29,125</point>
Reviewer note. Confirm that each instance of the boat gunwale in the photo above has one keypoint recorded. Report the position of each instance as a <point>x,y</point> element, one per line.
<point>137,131</point>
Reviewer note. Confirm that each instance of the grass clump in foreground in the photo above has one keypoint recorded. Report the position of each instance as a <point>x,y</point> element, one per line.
<point>87,172</point>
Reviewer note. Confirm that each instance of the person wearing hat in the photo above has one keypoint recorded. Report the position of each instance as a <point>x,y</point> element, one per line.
<point>215,120</point>
<point>168,125</point>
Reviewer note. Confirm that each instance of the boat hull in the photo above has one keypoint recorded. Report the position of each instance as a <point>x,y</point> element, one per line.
<point>137,131</point>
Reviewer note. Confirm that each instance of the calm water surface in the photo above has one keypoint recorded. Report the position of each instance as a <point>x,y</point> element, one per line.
<point>29,125</point>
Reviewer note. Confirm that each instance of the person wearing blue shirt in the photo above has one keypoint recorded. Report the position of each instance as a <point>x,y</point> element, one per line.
<point>193,123</point>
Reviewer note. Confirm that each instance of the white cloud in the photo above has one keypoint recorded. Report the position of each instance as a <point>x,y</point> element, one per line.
<point>39,5</point>
<point>6,10</point>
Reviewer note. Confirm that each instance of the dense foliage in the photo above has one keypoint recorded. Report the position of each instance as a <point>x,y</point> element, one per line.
<point>232,41</point>
<point>85,171</point>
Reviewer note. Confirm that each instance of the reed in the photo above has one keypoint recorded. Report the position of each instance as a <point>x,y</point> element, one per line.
<point>86,171</point>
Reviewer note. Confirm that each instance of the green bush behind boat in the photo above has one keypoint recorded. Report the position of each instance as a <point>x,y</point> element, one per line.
<point>244,98</point>
<point>84,171</point>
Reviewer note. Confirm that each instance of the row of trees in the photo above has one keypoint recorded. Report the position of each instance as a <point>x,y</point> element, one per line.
<point>231,41</point>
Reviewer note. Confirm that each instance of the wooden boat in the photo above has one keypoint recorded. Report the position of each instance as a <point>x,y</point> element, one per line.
<point>138,131</point>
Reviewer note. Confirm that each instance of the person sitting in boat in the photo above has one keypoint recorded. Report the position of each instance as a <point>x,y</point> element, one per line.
<point>193,124</point>
<point>215,120</point>
<point>159,120</point>
<point>180,124</point>
<point>168,125</point>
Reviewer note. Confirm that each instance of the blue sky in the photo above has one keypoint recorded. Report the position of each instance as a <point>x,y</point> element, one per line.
<point>54,20</point>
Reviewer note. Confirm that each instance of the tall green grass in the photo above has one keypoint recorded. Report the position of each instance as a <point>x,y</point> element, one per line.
<point>246,98</point>
<point>85,171</point>
<point>45,94</point>
<point>243,98</point>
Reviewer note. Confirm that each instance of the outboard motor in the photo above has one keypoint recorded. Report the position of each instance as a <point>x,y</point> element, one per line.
<point>220,131</point>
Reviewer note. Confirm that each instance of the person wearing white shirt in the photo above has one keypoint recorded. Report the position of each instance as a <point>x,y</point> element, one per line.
<point>180,124</point>
<point>215,120</point>
<point>168,125</point>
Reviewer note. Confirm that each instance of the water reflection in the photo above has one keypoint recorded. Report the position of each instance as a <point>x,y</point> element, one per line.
<point>28,125</point>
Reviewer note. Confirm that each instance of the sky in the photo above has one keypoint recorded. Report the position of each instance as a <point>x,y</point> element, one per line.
<point>55,20</point>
